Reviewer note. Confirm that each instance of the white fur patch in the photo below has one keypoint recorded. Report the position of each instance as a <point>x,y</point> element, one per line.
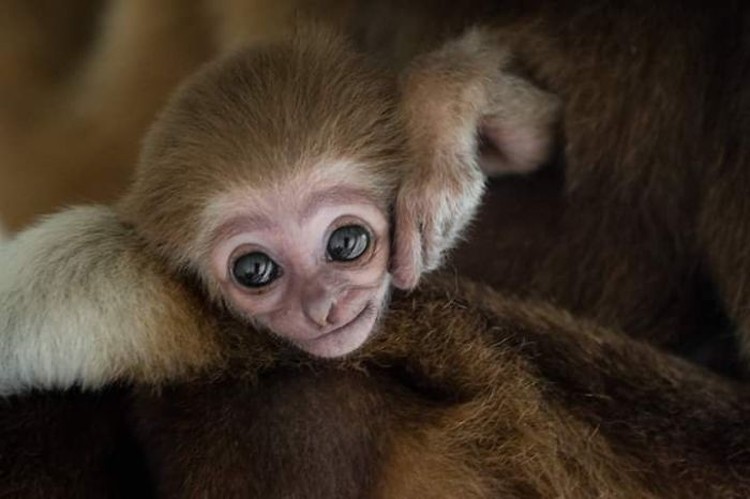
<point>77,306</point>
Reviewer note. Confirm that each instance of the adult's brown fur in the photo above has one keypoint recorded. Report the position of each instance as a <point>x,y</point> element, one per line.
<point>73,444</point>
<point>655,112</point>
<point>465,394</point>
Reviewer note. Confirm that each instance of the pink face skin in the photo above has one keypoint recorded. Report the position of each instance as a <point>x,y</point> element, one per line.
<point>325,307</point>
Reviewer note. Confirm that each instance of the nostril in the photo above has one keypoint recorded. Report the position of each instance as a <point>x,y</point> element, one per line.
<point>334,314</point>
<point>319,320</point>
<point>320,311</point>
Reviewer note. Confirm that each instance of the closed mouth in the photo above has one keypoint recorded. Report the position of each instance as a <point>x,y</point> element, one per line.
<point>364,312</point>
<point>311,344</point>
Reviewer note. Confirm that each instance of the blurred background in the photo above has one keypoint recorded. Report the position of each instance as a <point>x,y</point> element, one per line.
<point>80,81</point>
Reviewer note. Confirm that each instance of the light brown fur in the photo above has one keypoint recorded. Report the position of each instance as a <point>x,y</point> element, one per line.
<point>255,119</point>
<point>80,290</point>
<point>103,310</point>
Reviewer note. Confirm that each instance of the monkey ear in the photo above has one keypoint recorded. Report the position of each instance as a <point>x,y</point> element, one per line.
<point>466,114</point>
<point>83,305</point>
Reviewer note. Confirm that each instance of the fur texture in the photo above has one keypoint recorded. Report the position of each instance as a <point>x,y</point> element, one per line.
<point>464,394</point>
<point>586,412</point>
<point>457,102</point>
<point>83,304</point>
<point>258,118</point>
<point>300,113</point>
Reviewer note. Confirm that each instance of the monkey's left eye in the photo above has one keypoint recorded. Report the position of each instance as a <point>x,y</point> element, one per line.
<point>255,270</point>
<point>348,243</point>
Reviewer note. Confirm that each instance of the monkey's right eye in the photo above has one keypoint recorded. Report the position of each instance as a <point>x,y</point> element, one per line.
<point>255,270</point>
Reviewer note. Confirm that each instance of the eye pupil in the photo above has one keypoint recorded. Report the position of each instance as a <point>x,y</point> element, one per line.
<point>348,243</point>
<point>255,270</point>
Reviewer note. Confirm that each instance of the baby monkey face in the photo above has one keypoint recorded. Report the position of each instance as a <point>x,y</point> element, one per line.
<point>307,260</point>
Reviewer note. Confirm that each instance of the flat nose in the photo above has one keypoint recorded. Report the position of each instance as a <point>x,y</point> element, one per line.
<point>319,305</point>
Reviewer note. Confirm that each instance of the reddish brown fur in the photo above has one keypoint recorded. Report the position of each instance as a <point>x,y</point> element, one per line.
<point>582,427</point>
<point>465,394</point>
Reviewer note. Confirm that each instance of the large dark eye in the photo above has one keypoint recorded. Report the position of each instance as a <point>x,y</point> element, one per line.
<point>348,243</point>
<point>255,270</point>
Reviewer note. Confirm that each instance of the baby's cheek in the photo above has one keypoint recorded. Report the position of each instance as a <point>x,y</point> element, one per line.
<point>279,320</point>
<point>370,276</point>
<point>252,305</point>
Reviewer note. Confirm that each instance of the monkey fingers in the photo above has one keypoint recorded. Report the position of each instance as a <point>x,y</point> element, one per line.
<point>429,219</point>
<point>465,113</point>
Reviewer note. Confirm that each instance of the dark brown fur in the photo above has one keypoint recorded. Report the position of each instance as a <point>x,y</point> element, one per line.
<point>655,112</point>
<point>60,445</point>
<point>465,394</point>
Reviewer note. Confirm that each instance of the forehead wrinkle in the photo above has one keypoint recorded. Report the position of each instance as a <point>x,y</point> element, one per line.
<point>242,223</point>
<point>250,217</point>
<point>333,196</point>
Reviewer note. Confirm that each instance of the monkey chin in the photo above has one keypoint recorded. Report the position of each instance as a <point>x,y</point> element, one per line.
<point>352,335</point>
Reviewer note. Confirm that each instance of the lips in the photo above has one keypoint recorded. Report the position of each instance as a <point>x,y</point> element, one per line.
<point>343,339</point>
<point>368,307</point>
